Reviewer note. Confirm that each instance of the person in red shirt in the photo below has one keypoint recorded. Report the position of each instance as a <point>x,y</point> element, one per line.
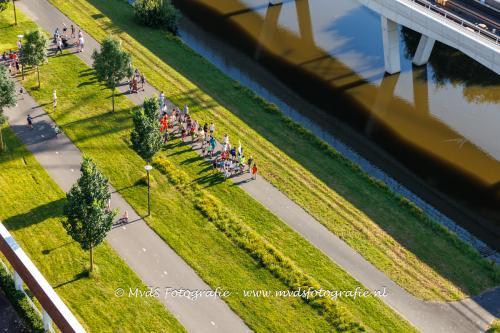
<point>254,171</point>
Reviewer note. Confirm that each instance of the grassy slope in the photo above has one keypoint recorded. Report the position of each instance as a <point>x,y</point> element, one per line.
<point>84,115</point>
<point>35,222</point>
<point>365,215</point>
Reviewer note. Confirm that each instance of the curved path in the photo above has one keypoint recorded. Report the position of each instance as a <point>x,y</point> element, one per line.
<point>470,315</point>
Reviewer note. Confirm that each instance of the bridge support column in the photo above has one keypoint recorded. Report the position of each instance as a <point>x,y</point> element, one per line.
<point>424,50</point>
<point>390,40</point>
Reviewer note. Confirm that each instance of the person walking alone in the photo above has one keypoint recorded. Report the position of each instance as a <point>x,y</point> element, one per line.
<point>54,100</point>
<point>81,43</point>
<point>29,119</point>
<point>254,171</point>
<point>59,45</point>
<point>161,100</point>
<point>143,81</point>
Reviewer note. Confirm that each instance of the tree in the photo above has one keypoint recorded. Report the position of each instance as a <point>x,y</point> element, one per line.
<point>3,6</point>
<point>112,64</point>
<point>146,136</point>
<point>7,98</point>
<point>88,219</point>
<point>34,50</point>
<point>157,14</point>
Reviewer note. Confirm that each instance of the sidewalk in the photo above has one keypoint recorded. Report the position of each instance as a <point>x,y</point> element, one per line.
<point>471,315</point>
<point>9,319</point>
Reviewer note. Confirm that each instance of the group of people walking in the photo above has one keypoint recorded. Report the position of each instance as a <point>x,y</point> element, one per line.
<point>133,82</point>
<point>62,40</point>
<point>11,60</point>
<point>230,161</point>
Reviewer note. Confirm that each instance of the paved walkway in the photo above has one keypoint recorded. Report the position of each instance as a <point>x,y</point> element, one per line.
<point>471,315</point>
<point>9,319</point>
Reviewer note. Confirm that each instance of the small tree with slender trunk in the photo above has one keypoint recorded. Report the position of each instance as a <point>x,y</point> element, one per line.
<point>88,219</point>
<point>34,50</point>
<point>146,136</point>
<point>3,6</point>
<point>112,64</point>
<point>7,98</point>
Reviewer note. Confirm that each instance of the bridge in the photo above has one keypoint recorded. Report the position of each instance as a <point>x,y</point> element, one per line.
<point>435,23</point>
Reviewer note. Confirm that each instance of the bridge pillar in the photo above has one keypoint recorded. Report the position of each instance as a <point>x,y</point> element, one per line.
<point>390,40</point>
<point>424,50</point>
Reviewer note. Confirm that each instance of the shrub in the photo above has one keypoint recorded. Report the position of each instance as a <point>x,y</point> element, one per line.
<point>157,14</point>
<point>19,301</point>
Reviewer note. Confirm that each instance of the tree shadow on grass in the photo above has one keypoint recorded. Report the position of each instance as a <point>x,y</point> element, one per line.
<point>82,274</point>
<point>194,97</point>
<point>35,215</point>
<point>192,160</point>
<point>171,145</point>
<point>180,152</point>
<point>210,180</point>
<point>48,251</point>
<point>100,125</point>
<point>87,83</point>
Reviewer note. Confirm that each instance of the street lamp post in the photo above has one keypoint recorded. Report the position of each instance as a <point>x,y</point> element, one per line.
<point>15,15</point>
<point>149,168</point>
<point>22,65</point>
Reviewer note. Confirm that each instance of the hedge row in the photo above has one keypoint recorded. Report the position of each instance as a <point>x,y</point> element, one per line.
<point>258,248</point>
<point>20,302</point>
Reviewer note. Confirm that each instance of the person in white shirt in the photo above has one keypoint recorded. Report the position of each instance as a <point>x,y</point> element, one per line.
<point>81,43</point>
<point>54,99</point>
<point>161,100</point>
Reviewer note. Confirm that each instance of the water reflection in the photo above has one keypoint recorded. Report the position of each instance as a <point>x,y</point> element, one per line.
<point>440,120</point>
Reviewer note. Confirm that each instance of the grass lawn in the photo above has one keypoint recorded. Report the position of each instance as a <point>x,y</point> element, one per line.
<point>386,230</point>
<point>83,113</point>
<point>495,327</point>
<point>35,222</point>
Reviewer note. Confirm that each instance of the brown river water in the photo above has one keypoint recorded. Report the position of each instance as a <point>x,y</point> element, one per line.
<point>441,121</point>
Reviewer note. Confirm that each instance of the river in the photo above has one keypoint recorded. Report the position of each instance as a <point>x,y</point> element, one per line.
<point>440,121</point>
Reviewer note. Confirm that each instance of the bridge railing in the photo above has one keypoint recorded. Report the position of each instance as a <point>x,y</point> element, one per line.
<point>25,272</point>
<point>458,20</point>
